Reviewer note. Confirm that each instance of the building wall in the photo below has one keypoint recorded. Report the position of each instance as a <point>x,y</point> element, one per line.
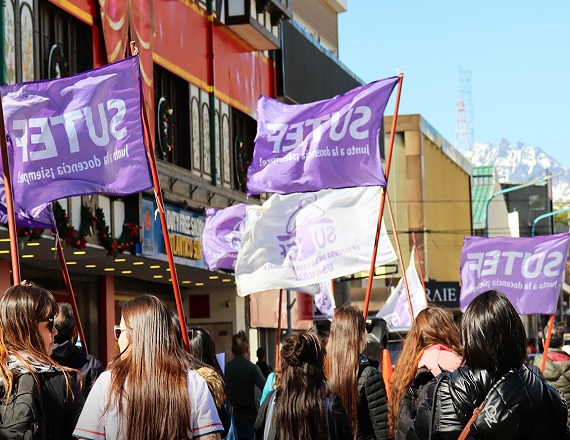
<point>319,19</point>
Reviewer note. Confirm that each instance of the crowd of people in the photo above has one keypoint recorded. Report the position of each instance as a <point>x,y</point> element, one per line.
<point>466,380</point>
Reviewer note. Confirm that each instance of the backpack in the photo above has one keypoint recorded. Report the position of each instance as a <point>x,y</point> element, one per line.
<point>412,398</point>
<point>21,416</point>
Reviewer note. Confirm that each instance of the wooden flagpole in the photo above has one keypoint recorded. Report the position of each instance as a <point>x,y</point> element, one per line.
<point>162,215</point>
<point>547,343</point>
<point>278,344</point>
<point>14,254</point>
<point>400,258</point>
<point>383,198</point>
<point>70,293</point>
<point>419,264</point>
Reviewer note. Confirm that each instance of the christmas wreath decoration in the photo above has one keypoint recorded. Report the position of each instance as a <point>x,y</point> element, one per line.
<point>165,126</point>
<point>242,160</point>
<point>91,224</point>
<point>58,67</point>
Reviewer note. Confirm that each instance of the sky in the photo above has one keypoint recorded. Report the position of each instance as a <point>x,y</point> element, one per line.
<point>518,53</point>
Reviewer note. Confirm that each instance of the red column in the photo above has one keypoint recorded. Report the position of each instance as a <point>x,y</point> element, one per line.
<point>108,318</point>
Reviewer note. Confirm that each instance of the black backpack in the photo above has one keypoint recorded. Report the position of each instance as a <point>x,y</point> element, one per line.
<point>410,402</point>
<point>21,416</point>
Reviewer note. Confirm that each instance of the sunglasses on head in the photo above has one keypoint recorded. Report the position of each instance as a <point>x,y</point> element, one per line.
<point>117,331</point>
<point>49,324</point>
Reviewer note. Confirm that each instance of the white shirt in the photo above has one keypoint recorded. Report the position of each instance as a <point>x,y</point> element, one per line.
<point>94,424</point>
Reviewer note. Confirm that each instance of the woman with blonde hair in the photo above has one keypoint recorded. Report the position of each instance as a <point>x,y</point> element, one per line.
<point>149,390</point>
<point>27,336</point>
<point>358,384</point>
<point>432,345</point>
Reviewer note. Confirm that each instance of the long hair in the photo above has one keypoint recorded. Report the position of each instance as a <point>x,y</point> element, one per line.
<point>22,307</point>
<point>493,334</point>
<point>302,387</point>
<point>343,351</point>
<point>432,326</point>
<point>149,381</point>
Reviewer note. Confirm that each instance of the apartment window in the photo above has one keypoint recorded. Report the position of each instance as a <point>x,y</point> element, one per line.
<point>66,45</point>
<point>171,100</point>
<point>244,130</point>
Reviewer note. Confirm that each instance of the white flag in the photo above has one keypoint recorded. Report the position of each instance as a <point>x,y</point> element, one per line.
<point>307,238</point>
<point>396,311</point>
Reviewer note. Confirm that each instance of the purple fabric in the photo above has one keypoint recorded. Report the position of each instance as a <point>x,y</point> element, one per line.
<point>325,144</point>
<point>78,135</point>
<point>43,220</point>
<point>529,270</point>
<point>221,237</point>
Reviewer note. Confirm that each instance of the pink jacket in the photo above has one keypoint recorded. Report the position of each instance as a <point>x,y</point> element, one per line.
<point>439,357</point>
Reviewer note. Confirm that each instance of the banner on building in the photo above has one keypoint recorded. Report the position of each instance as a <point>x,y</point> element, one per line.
<point>298,239</point>
<point>77,135</point>
<point>396,311</point>
<point>528,270</point>
<point>325,144</point>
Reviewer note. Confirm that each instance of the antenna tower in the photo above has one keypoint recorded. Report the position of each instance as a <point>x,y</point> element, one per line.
<point>464,116</point>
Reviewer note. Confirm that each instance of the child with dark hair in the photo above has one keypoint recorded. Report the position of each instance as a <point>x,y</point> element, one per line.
<point>302,406</point>
<point>514,402</point>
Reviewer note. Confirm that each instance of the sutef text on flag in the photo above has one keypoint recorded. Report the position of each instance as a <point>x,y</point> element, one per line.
<point>325,144</point>
<point>308,238</point>
<point>75,136</point>
<point>528,270</point>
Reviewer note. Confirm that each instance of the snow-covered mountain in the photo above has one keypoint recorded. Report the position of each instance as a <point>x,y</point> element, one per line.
<point>521,163</point>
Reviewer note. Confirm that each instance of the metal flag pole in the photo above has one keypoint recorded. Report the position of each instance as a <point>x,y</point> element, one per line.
<point>70,293</point>
<point>400,258</point>
<point>383,198</point>
<point>547,343</point>
<point>162,215</point>
<point>14,254</point>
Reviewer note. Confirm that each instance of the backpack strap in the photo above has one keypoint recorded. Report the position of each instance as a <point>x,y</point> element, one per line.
<point>269,416</point>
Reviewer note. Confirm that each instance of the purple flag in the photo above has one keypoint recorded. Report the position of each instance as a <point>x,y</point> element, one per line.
<point>43,220</point>
<point>325,144</point>
<point>75,136</point>
<point>529,270</point>
<point>221,237</point>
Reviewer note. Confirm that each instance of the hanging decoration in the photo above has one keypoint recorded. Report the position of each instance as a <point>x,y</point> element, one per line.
<point>241,155</point>
<point>31,234</point>
<point>58,67</point>
<point>165,125</point>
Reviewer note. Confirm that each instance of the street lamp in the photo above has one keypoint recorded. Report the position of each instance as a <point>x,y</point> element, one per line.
<point>506,190</point>
<point>548,214</point>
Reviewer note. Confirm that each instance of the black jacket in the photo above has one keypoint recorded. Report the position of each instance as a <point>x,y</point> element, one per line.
<point>410,402</point>
<point>372,403</point>
<point>69,355</point>
<point>517,405</point>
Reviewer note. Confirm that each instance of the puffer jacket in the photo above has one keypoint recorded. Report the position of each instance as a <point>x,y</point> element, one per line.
<point>517,405</point>
<point>372,403</point>
<point>557,371</point>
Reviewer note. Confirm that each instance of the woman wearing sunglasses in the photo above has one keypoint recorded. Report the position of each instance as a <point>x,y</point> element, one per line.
<point>26,341</point>
<point>149,390</point>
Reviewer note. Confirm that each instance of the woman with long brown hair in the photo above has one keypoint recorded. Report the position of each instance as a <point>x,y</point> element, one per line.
<point>149,391</point>
<point>27,336</point>
<point>358,384</point>
<point>431,345</point>
<point>302,405</point>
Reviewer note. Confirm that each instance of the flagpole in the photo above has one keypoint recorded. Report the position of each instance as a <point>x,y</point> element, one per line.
<point>419,264</point>
<point>547,343</point>
<point>383,198</point>
<point>70,293</point>
<point>400,258</point>
<point>278,344</point>
<point>162,215</point>
<point>14,254</point>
